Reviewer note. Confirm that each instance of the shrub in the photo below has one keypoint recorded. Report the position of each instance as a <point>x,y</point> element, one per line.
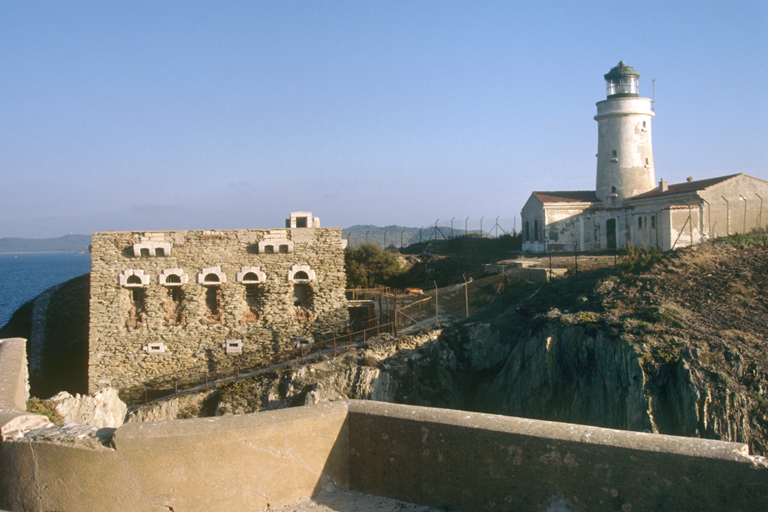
<point>636,259</point>
<point>46,408</point>
<point>369,265</point>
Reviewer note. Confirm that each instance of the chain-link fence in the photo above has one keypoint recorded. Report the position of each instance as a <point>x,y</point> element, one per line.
<point>439,229</point>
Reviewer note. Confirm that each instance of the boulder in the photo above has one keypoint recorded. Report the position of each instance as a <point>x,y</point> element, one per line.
<point>102,409</point>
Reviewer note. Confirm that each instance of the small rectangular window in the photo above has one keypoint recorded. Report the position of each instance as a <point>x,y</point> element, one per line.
<point>283,249</point>
<point>301,222</point>
<point>640,222</point>
<point>653,221</point>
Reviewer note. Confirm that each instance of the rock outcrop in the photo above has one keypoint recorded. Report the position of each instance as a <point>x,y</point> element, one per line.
<point>102,409</point>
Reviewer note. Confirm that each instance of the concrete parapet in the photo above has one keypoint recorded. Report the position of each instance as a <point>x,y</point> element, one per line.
<point>466,461</point>
<point>444,458</point>
<point>14,388</point>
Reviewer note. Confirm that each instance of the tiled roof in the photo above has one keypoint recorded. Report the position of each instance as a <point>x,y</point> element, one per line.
<point>688,186</point>
<point>569,196</point>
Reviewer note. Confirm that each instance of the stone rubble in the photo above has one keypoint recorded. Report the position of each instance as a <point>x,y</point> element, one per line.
<point>104,408</point>
<point>70,433</point>
<point>352,501</point>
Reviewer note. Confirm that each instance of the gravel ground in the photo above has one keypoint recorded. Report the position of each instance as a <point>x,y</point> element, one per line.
<point>352,501</point>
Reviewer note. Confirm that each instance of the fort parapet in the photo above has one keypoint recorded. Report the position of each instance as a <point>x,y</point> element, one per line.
<point>453,460</point>
<point>165,301</point>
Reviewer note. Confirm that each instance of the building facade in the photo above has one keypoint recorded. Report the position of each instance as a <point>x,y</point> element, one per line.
<point>628,206</point>
<point>166,301</point>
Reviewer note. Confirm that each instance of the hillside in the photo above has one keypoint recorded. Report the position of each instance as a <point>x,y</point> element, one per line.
<point>678,346</point>
<point>382,236</point>
<point>66,243</point>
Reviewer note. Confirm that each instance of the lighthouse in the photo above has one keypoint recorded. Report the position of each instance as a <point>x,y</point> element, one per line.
<point>624,150</point>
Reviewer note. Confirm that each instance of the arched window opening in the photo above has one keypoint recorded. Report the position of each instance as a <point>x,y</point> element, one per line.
<point>303,301</point>
<point>253,302</point>
<point>251,294</point>
<point>250,276</point>
<point>134,279</point>
<point>174,305</point>
<point>213,304</point>
<point>613,190</point>
<point>302,295</point>
<point>172,279</point>
<point>137,316</point>
<point>211,278</point>
<point>300,275</point>
<point>647,161</point>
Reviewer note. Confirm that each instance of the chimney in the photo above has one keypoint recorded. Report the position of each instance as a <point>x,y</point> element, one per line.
<point>662,185</point>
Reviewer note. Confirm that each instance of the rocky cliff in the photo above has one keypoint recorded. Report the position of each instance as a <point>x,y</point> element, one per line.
<point>676,348</point>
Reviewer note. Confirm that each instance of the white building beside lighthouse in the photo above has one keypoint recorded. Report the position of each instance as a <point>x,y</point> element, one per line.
<point>628,205</point>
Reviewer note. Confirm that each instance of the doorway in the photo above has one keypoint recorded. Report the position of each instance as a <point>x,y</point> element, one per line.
<point>610,233</point>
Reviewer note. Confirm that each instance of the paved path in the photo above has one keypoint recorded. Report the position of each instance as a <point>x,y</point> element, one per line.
<point>352,501</point>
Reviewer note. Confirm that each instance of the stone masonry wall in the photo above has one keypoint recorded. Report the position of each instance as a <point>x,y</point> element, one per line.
<point>150,314</point>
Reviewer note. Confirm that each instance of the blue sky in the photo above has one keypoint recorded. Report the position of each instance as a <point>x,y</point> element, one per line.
<point>217,115</point>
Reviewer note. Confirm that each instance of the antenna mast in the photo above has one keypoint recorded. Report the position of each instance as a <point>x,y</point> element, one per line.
<point>653,96</point>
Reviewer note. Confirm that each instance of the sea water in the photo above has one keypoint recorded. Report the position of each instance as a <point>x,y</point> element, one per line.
<point>24,276</point>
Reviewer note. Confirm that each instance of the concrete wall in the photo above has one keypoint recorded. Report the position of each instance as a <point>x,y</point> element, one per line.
<point>533,226</point>
<point>184,329</point>
<point>14,388</point>
<point>735,206</point>
<point>451,459</point>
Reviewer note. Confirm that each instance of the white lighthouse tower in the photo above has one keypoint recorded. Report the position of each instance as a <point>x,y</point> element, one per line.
<point>624,150</point>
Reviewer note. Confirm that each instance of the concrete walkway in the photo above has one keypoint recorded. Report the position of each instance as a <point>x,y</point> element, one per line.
<point>352,501</point>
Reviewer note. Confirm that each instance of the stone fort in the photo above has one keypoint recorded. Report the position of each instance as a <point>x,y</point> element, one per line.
<point>166,301</point>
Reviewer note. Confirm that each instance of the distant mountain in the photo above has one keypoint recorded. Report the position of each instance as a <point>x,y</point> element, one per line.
<point>66,243</point>
<point>384,236</point>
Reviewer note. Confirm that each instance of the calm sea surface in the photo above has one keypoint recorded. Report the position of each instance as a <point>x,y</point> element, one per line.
<point>24,276</point>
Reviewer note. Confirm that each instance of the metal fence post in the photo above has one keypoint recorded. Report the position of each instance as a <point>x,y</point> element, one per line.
<point>466,293</point>
<point>437,308</point>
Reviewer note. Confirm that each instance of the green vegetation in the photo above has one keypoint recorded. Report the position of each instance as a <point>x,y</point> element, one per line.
<point>636,259</point>
<point>757,238</point>
<point>589,317</point>
<point>369,265</point>
<point>667,315</point>
<point>46,408</point>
